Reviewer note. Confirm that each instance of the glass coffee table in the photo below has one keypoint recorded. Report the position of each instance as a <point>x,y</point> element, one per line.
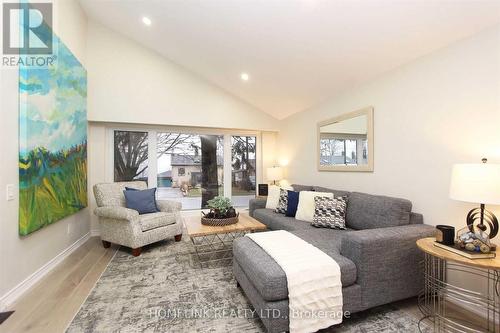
<point>214,245</point>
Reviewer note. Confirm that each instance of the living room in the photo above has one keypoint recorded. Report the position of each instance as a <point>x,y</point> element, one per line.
<point>172,166</point>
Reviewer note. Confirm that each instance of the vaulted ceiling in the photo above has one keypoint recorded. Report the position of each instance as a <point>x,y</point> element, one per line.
<point>297,53</point>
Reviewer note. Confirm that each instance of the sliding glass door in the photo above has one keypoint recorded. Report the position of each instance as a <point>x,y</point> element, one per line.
<point>243,158</point>
<point>188,167</point>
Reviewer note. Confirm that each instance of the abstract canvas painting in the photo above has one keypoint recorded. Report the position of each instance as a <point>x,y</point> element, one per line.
<point>52,140</point>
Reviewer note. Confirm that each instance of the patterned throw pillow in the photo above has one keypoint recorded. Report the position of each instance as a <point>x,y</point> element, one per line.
<point>330,212</point>
<point>283,202</point>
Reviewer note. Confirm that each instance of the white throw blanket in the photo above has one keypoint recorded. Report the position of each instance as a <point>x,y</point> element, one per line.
<point>314,286</point>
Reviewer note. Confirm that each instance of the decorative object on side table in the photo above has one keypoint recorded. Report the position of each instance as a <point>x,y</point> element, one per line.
<point>469,245</point>
<point>478,183</point>
<point>445,234</point>
<point>221,213</point>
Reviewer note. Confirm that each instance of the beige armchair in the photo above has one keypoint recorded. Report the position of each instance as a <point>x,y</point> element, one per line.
<point>124,226</point>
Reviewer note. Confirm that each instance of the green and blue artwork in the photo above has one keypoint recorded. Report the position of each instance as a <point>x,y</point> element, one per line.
<point>53,141</point>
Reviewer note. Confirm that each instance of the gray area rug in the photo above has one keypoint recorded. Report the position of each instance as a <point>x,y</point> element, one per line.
<point>163,290</point>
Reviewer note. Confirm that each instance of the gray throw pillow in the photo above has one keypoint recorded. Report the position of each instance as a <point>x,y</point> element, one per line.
<point>329,212</point>
<point>143,201</point>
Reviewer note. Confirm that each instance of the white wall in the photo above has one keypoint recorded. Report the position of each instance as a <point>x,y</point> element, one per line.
<point>441,109</point>
<point>22,256</point>
<point>98,166</point>
<point>131,84</point>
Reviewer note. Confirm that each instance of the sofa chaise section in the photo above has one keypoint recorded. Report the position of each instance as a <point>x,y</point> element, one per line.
<point>269,277</point>
<point>377,254</point>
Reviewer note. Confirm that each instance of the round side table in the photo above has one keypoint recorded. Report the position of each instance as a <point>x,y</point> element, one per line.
<point>438,263</point>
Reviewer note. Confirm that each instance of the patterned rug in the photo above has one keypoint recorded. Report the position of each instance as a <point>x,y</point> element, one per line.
<point>163,290</point>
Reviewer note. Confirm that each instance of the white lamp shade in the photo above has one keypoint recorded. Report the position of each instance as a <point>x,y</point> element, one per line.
<point>274,173</point>
<point>477,183</point>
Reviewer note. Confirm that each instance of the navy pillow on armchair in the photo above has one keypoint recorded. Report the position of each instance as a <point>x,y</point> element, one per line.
<point>293,202</point>
<point>131,189</point>
<point>142,201</point>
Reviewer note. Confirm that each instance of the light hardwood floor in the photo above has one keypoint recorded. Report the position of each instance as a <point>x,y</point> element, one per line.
<point>51,304</point>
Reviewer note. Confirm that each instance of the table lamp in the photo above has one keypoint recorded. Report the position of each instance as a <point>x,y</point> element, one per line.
<point>478,183</point>
<point>275,174</point>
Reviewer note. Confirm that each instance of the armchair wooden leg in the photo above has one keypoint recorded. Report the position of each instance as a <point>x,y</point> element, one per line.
<point>178,238</point>
<point>106,244</point>
<point>136,252</point>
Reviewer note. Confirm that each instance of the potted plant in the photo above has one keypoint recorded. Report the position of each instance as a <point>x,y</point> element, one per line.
<point>221,212</point>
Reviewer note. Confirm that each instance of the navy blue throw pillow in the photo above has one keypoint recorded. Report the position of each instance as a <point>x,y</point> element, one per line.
<point>142,201</point>
<point>293,202</point>
<point>131,189</point>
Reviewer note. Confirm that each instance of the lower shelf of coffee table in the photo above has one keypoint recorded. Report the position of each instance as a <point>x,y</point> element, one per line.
<point>215,248</point>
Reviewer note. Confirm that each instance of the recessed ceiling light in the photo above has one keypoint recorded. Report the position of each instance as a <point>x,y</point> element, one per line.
<point>146,21</point>
<point>245,76</point>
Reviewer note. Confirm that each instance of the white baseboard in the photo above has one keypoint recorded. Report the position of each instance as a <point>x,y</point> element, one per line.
<point>95,232</point>
<point>12,295</point>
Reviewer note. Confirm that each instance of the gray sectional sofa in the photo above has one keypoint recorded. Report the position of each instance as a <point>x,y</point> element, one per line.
<point>377,255</point>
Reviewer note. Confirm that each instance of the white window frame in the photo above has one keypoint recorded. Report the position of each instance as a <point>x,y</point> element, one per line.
<point>152,146</point>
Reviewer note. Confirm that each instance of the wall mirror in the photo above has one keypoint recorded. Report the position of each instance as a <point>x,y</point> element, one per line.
<point>345,143</point>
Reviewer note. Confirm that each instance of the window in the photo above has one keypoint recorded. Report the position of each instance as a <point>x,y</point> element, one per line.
<point>190,168</point>
<point>130,156</point>
<point>243,161</point>
<point>332,151</point>
<point>350,149</point>
<point>341,151</point>
<point>338,148</point>
<point>365,151</point>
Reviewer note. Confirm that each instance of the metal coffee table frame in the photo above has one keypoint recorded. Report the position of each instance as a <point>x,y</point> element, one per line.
<point>214,244</point>
<point>216,248</point>
<point>438,291</point>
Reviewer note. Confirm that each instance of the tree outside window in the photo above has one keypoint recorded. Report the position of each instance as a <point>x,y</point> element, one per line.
<point>243,162</point>
<point>131,156</point>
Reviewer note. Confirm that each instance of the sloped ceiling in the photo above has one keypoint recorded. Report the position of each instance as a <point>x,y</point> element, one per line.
<point>298,53</point>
